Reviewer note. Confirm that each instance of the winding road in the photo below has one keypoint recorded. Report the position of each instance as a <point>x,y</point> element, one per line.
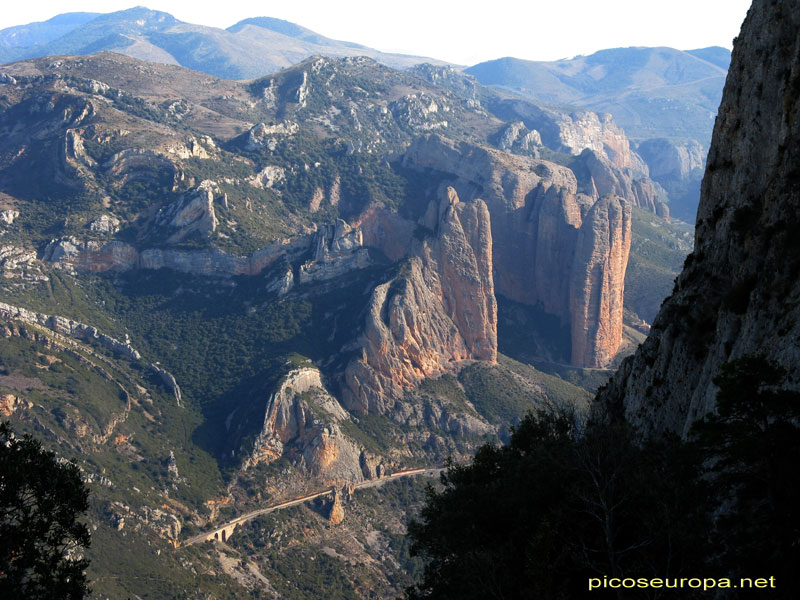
<point>223,532</point>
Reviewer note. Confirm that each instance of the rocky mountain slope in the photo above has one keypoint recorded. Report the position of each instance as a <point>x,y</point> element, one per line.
<point>637,85</point>
<point>738,292</point>
<point>113,148</point>
<point>221,294</point>
<point>251,48</point>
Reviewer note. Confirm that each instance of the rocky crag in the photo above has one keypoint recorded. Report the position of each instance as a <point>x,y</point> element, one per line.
<point>301,422</point>
<point>439,309</point>
<point>604,163</point>
<point>317,173</point>
<point>577,241</point>
<point>738,293</point>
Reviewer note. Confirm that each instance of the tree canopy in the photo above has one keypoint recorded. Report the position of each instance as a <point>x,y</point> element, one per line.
<point>41,501</point>
<point>565,501</point>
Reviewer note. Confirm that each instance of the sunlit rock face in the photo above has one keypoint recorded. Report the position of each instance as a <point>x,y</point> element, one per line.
<point>439,309</point>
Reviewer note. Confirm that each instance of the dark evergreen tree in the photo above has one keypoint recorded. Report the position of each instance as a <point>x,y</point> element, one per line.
<point>751,450</point>
<point>560,504</point>
<point>41,538</point>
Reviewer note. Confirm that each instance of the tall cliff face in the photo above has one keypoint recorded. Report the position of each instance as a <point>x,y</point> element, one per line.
<point>739,292</point>
<point>440,308</point>
<point>553,246</point>
<point>598,274</point>
<point>575,131</point>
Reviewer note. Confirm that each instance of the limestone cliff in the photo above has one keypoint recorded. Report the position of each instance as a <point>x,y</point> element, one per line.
<point>547,249</point>
<point>192,213</point>
<point>439,309</point>
<point>70,328</point>
<point>338,248</point>
<point>739,292</point>
<point>573,132</point>
<point>99,257</point>
<point>334,249</point>
<point>669,159</point>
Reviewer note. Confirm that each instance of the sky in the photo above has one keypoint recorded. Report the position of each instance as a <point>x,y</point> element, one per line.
<point>464,32</point>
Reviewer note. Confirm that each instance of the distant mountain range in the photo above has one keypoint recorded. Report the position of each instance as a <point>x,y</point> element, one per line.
<point>665,99</point>
<point>652,92</point>
<point>251,48</point>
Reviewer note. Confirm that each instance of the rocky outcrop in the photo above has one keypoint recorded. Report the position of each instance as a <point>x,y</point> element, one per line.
<point>419,113</point>
<point>667,159</point>
<point>335,249</point>
<point>605,163</point>
<point>439,309</point>
<point>583,129</point>
<point>74,166</point>
<point>336,512</point>
<point>516,137</point>
<point>539,223</point>
<point>301,423</point>
<point>338,248</point>
<point>104,224</point>
<point>597,177</point>
<point>69,328</point>
<point>8,216</point>
<point>738,293</point>
<point>91,256</point>
<point>573,132</point>
<point>192,148</point>
<point>20,265</point>
<point>9,404</point>
<point>98,257</point>
<point>168,379</point>
<point>268,136</point>
<point>193,213</point>
<point>268,177</point>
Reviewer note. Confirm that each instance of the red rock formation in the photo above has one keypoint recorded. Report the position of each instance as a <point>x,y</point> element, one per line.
<point>439,309</point>
<point>547,240</point>
<point>598,277</point>
<point>305,428</point>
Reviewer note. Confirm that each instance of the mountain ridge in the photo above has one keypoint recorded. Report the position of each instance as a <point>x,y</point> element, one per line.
<point>307,265</point>
<point>593,81</point>
<point>248,49</point>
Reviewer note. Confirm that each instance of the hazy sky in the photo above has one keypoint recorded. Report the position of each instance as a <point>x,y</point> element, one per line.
<point>462,32</point>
